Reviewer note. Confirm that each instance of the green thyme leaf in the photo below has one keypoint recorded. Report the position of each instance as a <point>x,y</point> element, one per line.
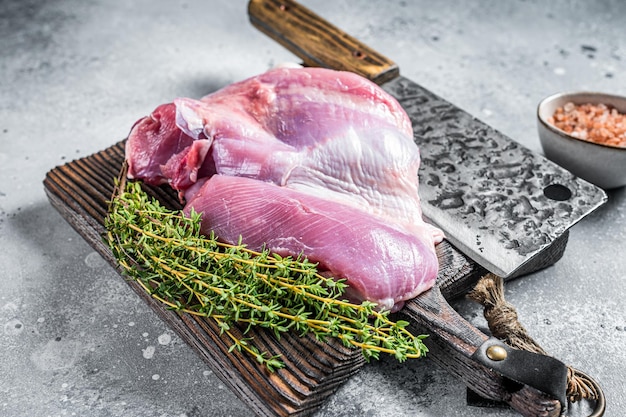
<point>166,253</point>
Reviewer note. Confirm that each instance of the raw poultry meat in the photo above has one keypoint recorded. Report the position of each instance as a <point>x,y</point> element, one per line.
<point>333,136</point>
<point>381,263</point>
<point>306,128</point>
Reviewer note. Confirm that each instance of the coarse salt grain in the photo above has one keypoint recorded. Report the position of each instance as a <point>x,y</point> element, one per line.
<point>592,122</point>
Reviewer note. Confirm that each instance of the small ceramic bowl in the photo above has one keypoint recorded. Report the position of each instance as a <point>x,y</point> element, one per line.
<point>602,165</point>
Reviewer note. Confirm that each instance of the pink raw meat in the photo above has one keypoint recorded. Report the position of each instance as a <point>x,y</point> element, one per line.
<point>333,133</point>
<point>334,139</point>
<point>381,263</point>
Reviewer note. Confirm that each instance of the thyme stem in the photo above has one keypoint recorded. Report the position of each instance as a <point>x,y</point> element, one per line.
<point>165,252</point>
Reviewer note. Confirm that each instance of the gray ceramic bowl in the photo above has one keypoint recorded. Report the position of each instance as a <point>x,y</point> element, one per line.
<point>602,165</point>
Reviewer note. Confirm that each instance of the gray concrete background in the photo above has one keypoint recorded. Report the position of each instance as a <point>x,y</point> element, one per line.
<point>74,77</point>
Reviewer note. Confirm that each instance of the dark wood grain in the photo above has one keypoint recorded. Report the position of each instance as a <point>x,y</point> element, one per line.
<point>451,343</point>
<point>318,43</point>
<point>80,191</point>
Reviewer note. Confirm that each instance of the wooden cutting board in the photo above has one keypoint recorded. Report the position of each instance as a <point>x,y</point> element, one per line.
<point>80,191</point>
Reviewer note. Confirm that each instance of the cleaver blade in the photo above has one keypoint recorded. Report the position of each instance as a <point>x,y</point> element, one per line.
<point>496,201</point>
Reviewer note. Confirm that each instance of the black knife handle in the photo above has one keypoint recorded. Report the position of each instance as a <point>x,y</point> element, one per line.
<point>317,42</point>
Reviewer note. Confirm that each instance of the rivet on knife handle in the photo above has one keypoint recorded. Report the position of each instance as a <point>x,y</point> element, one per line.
<point>317,42</point>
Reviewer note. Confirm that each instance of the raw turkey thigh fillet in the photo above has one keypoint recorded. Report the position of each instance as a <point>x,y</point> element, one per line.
<point>333,139</point>
<point>381,263</point>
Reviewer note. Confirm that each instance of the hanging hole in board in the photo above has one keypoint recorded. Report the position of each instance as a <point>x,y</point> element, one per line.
<point>557,192</point>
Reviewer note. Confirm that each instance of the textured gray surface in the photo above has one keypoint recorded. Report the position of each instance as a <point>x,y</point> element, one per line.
<point>482,202</point>
<point>75,76</point>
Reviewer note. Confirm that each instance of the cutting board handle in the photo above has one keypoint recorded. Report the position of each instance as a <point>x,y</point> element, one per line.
<point>459,347</point>
<point>317,42</point>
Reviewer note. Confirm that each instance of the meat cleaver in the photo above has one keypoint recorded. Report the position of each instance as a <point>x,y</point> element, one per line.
<point>497,202</point>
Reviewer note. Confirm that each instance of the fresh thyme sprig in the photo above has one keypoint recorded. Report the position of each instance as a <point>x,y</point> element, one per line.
<point>165,252</point>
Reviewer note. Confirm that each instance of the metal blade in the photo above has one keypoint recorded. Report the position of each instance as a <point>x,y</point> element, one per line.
<point>498,202</point>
